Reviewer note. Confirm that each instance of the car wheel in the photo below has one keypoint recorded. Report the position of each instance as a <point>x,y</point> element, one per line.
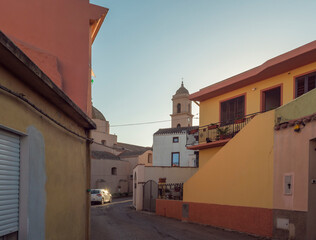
<point>102,201</point>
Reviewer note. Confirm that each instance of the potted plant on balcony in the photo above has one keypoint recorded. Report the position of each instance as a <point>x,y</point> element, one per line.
<point>223,133</point>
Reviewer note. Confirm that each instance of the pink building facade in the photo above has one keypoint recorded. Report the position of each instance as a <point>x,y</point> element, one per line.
<point>57,36</point>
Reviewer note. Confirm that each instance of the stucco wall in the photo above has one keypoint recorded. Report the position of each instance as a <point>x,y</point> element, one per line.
<point>172,175</point>
<point>240,173</point>
<point>101,169</point>
<point>292,153</point>
<point>163,147</point>
<point>110,139</point>
<point>207,154</point>
<point>299,107</point>
<point>210,109</point>
<point>294,156</point>
<point>144,174</point>
<point>66,162</point>
<point>143,159</point>
<point>60,29</point>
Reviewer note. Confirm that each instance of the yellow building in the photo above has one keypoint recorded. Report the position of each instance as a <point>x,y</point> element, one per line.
<point>44,154</point>
<point>235,186</point>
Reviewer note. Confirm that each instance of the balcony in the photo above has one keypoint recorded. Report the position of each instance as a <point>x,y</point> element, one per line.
<point>216,134</point>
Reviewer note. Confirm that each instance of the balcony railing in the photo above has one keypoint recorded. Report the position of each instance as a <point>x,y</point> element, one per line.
<point>217,131</point>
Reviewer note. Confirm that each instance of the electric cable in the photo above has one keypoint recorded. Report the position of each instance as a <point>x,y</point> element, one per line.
<point>144,123</point>
<point>21,96</point>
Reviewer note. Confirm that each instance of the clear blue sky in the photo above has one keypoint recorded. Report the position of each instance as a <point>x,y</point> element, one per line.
<point>145,47</point>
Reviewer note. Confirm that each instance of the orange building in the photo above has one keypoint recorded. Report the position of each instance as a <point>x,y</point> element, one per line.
<point>238,185</point>
<point>57,36</point>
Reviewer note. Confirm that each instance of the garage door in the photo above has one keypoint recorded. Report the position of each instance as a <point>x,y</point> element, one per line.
<point>9,182</point>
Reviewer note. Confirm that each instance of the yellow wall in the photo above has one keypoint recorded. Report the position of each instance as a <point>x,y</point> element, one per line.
<point>241,173</point>
<point>66,160</point>
<point>209,109</point>
<point>207,154</point>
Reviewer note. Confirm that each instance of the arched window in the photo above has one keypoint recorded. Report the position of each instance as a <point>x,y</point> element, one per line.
<point>179,108</point>
<point>178,126</point>
<point>189,108</point>
<point>114,171</point>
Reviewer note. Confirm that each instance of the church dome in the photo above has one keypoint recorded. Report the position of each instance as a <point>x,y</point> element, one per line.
<point>96,114</point>
<point>182,90</point>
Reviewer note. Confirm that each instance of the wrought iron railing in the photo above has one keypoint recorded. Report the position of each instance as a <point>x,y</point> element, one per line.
<point>218,131</point>
<point>171,191</point>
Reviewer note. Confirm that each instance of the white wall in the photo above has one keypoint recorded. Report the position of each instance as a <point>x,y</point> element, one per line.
<point>145,173</point>
<point>163,146</point>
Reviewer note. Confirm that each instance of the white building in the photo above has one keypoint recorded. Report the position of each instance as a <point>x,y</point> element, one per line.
<point>169,148</point>
<point>169,145</point>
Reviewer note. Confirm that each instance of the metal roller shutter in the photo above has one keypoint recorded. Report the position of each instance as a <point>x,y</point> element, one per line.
<point>9,182</point>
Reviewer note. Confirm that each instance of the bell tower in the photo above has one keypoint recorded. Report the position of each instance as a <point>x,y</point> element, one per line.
<point>181,109</point>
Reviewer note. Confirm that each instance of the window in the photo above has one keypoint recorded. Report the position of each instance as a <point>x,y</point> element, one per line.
<point>271,99</point>
<point>150,158</point>
<point>178,126</point>
<point>304,84</point>
<point>114,171</point>
<point>232,109</point>
<point>175,159</point>
<point>179,108</point>
<point>175,139</point>
<point>103,142</point>
<point>189,108</point>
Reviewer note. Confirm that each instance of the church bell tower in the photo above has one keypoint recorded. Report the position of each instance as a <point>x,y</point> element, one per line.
<point>182,109</point>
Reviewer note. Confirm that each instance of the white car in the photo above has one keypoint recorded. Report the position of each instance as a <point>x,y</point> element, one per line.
<point>100,196</point>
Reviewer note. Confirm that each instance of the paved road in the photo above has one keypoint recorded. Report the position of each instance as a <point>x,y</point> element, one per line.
<point>119,221</point>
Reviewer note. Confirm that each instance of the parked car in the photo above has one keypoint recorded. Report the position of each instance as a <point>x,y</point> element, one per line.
<point>100,196</point>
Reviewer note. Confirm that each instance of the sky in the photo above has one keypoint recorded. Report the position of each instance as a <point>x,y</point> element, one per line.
<point>146,47</point>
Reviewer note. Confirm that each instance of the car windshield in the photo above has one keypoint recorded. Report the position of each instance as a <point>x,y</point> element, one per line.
<point>95,191</point>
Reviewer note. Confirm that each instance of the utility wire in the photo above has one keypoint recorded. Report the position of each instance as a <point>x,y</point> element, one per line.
<point>145,123</point>
<point>21,96</point>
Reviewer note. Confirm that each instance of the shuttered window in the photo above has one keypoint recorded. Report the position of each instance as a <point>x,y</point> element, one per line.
<point>232,109</point>
<point>305,83</point>
<point>9,182</point>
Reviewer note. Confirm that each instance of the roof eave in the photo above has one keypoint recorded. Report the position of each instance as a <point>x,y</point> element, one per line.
<point>286,62</point>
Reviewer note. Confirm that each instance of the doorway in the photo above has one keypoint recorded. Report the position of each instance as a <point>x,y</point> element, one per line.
<point>150,195</point>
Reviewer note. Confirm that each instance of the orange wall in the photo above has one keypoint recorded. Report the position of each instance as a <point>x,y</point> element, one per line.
<point>209,109</point>
<point>56,28</point>
<point>169,208</point>
<point>258,221</point>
